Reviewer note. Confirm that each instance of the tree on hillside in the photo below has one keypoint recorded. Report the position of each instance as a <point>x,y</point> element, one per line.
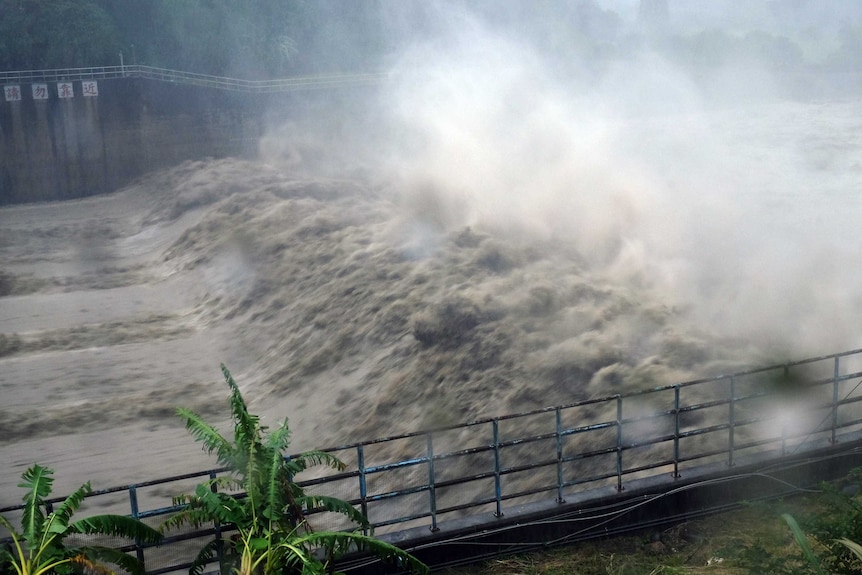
<point>250,39</point>
<point>254,39</point>
<point>56,34</point>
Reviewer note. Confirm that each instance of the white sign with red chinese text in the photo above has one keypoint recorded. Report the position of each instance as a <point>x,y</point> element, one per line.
<point>40,91</point>
<point>65,90</point>
<point>90,88</point>
<point>12,93</point>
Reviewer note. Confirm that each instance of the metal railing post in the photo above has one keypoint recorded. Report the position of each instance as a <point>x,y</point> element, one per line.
<point>676,432</point>
<point>432,490</point>
<point>133,506</point>
<point>731,417</point>
<point>498,485</point>
<point>217,524</point>
<point>363,487</point>
<point>619,443</point>
<point>560,457</point>
<point>835,384</point>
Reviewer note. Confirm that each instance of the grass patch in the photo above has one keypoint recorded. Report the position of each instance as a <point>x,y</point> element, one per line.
<point>751,540</point>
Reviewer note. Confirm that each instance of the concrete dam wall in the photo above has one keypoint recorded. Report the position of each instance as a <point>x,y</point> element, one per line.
<point>58,148</point>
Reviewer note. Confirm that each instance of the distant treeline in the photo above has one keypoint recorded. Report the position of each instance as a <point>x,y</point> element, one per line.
<point>246,38</point>
<point>258,39</point>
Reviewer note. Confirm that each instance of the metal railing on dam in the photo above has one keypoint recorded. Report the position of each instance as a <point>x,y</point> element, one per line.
<point>192,79</point>
<point>485,469</point>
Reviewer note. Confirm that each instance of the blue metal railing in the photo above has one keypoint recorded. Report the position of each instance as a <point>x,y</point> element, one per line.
<point>192,79</point>
<point>484,466</point>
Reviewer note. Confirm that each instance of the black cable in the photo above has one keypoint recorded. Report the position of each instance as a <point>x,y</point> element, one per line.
<point>585,514</point>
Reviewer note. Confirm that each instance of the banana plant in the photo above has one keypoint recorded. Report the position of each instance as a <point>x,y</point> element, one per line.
<point>802,541</point>
<point>39,546</point>
<point>852,546</point>
<point>260,499</point>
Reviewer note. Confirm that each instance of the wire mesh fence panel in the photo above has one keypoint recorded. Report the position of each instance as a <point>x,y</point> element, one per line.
<point>703,448</point>
<point>593,473</point>
<point>849,388</point>
<point>648,428</point>
<point>524,426</point>
<point>648,402</point>
<point>348,456</point>
<point>644,460</point>
<point>81,540</point>
<point>848,364</point>
<point>590,439</point>
<point>752,408</point>
<point>751,438</point>
<point>177,531</point>
<point>333,521</point>
<point>395,450</point>
<point>695,396</point>
<point>814,370</point>
<point>116,503</point>
<point>848,417</point>
<point>697,415</point>
<point>530,452</point>
<point>849,394</point>
<point>712,390</point>
<point>14,517</point>
<point>156,521</point>
<point>387,485</point>
<point>398,509</point>
<point>800,427</point>
<point>582,417</point>
<point>454,467</point>
<point>752,384</point>
<point>162,495</point>
<point>461,438</point>
<point>520,487</point>
<point>346,489</point>
<point>177,553</point>
<point>465,496</point>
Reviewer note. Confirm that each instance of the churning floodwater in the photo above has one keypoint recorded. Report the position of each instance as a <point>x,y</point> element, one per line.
<point>772,243</point>
<point>683,244</point>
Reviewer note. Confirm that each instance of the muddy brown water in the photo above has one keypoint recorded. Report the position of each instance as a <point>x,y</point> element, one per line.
<point>359,307</point>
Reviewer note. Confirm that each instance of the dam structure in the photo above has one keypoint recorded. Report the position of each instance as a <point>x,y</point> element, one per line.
<point>77,132</point>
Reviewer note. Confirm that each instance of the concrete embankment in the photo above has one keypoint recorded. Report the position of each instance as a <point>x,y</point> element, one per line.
<point>54,148</point>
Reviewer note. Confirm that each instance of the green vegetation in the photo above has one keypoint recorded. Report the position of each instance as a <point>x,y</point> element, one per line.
<point>250,39</point>
<point>40,547</point>
<point>259,39</point>
<point>56,33</point>
<point>834,531</point>
<point>756,539</point>
<point>258,500</point>
<point>269,511</point>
